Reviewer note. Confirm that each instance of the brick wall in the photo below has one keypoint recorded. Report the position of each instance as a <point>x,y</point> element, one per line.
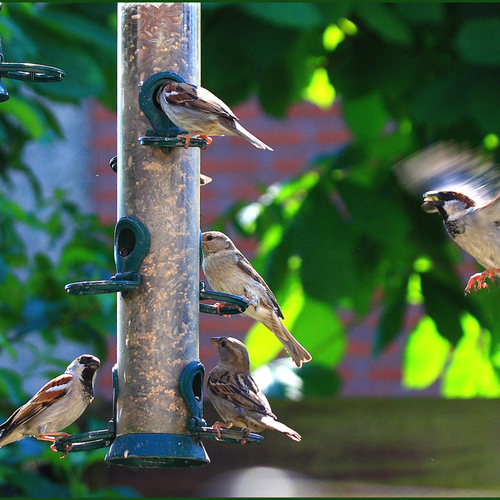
<point>237,169</point>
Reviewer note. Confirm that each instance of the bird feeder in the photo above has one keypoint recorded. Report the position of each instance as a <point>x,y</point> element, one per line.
<point>157,323</point>
<point>158,379</point>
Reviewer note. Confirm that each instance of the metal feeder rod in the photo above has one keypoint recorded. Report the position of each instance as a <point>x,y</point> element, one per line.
<point>158,328</point>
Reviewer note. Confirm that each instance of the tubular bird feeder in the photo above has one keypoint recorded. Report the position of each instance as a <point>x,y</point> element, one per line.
<point>157,323</point>
<point>158,379</point>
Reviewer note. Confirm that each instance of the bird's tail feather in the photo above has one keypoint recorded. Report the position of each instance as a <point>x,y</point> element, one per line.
<point>292,346</point>
<point>242,132</point>
<point>278,426</point>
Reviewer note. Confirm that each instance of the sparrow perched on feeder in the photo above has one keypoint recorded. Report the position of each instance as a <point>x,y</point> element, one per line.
<point>228,271</point>
<point>200,113</point>
<point>55,406</point>
<point>466,193</point>
<point>235,395</point>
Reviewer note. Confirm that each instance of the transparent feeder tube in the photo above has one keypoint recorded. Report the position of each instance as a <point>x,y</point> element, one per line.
<point>158,323</point>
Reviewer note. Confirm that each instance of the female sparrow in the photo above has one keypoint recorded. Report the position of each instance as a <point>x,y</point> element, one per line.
<point>199,112</point>
<point>466,193</point>
<point>228,271</point>
<point>55,406</point>
<point>235,395</point>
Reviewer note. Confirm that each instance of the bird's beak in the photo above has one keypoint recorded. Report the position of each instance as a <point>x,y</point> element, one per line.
<point>215,341</point>
<point>94,365</point>
<point>431,203</point>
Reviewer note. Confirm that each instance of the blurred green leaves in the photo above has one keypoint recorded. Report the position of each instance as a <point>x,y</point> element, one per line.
<point>70,245</point>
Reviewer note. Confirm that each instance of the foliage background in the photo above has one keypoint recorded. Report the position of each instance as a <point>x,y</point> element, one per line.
<point>407,75</point>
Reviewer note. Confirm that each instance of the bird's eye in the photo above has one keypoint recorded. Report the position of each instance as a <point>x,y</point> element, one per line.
<point>223,343</point>
<point>210,237</point>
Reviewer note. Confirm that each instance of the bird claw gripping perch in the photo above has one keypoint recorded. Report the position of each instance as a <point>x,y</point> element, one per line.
<point>228,305</point>
<point>478,280</point>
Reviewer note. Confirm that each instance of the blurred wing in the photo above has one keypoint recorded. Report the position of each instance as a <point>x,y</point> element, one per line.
<point>248,269</point>
<point>198,99</point>
<point>240,390</point>
<point>448,166</point>
<point>491,210</point>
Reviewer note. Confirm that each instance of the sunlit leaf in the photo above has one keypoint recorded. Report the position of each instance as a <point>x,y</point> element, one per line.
<point>319,329</point>
<point>320,91</point>
<point>425,355</point>
<point>471,372</point>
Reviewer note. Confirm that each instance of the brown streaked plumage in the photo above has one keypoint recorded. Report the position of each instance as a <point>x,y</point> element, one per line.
<point>235,395</point>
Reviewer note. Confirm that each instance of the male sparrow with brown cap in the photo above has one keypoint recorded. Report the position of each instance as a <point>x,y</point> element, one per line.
<point>466,192</point>
<point>228,271</point>
<point>55,406</point>
<point>200,113</point>
<point>235,395</point>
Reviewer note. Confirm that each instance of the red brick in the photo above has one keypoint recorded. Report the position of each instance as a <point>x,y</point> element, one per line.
<point>281,135</point>
<point>291,166</point>
<point>304,109</point>
<point>105,141</point>
<point>359,349</point>
<point>385,373</point>
<point>334,136</point>
<point>248,109</point>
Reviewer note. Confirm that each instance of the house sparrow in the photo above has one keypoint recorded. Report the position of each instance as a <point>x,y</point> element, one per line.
<point>466,189</point>
<point>200,113</point>
<point>228,271</point>
<point>235,395</point>
<point>55,406</point>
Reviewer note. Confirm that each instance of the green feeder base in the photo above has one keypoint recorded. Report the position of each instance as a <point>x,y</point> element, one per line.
<point>156,450</point>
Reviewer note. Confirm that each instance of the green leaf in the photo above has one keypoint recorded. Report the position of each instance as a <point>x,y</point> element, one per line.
<point>319,329</point>
<point>443,101</point>
<point>470,372</point>
<point>291,15</point>
<point>83,30</point>
<point>11,386</point>
<point>24,113</point>
<point>387,23</point>
<point>276,103</point>
<point>425,355</point>
<point>421,13</point>
<point>366,116</point>
<point>443,307</point>
<point>328,271</point>
<point>478,40</point>
<point>485,105</point>
<point>319,381</point>
<point>391,322</point>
